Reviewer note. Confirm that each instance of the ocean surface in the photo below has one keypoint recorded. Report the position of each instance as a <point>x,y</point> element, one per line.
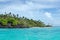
<point>51,33</point>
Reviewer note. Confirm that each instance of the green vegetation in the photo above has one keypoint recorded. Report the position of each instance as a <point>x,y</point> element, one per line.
<point>12,20</point>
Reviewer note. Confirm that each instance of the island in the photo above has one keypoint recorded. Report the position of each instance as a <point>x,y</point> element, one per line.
<point>9,20</point>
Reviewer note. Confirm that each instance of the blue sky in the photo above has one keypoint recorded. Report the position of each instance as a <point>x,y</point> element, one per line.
<point>47,11</point>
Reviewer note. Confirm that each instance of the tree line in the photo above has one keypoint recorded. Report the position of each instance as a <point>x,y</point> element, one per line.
<point>9,20</point>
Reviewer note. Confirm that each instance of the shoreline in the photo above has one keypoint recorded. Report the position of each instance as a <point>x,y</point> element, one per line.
<point>21,27</point>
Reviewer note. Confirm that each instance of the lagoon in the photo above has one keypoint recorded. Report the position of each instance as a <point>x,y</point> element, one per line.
<point>46,33</point>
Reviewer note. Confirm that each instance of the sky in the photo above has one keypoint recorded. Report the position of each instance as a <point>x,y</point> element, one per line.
<point>47,11</point>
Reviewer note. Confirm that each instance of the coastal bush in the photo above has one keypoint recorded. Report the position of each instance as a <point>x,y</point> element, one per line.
<point>13,21</point>
<point>3,21</point>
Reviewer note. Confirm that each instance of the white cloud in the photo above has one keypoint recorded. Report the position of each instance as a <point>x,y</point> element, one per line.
<point>4,0</point>
<point>45,0</point>
<point>48,15</point>
<point>31,4</point>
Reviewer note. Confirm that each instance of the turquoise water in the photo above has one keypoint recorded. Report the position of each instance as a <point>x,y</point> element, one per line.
<point>52,33</point>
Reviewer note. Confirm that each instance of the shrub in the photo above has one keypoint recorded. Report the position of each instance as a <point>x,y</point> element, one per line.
<point>13,21</point>
<point>3,22</point>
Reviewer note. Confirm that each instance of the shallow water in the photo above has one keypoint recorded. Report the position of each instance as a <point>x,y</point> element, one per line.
<point>51,33</point>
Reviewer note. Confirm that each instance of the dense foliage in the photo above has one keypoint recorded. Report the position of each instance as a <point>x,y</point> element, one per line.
<point>12,20</point>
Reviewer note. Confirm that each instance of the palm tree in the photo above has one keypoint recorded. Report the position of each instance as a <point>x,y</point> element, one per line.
<point>14,16</point>
<point>10,14</point>
<point>17,15</point>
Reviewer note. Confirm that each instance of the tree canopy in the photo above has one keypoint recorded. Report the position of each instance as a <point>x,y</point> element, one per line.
<point>21,21</point>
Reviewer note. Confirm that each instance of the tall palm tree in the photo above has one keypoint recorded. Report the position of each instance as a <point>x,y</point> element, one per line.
<point>9,13</point>
<point>17,15</point>
<point>14,15</point>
